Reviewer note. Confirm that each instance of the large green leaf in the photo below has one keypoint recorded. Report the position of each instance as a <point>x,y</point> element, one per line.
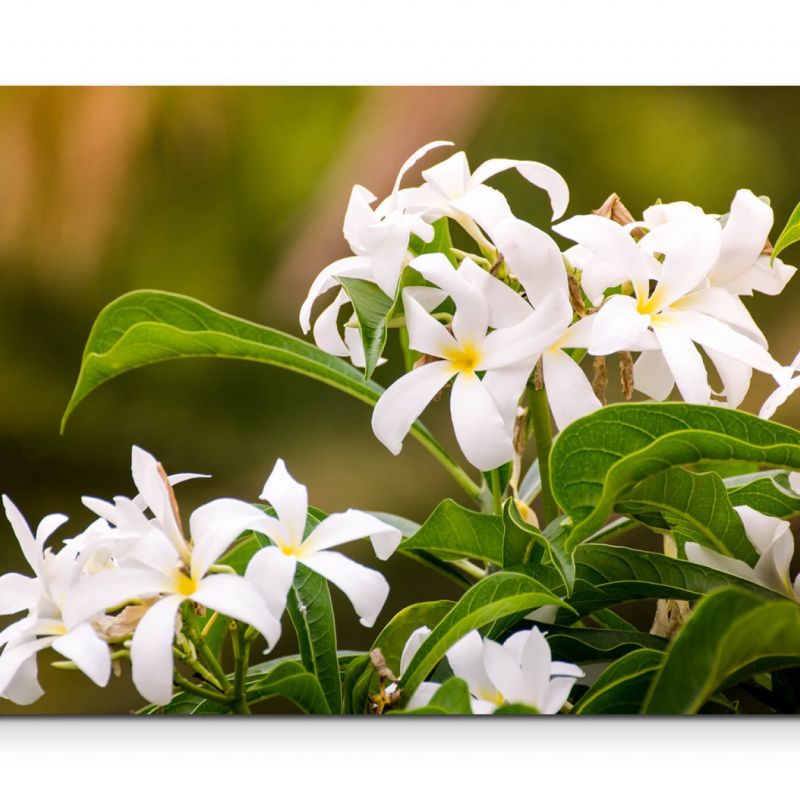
<point>730,635</point>
<point>599,457</point>
<point>789,235</point>
<point>696,505</point>
<point>580,645</point>
<point>452,532</point>
<point>147,327</point>
<point>502,594</point>
<point>621,688</point>
<point>310,609</point>
<point>609,574</point>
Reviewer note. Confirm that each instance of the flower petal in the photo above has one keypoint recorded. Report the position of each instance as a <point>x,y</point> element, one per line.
<point>479,427</point>
<point>349,526</point>
<point>466,659</point>
<point>472,314</point>
<point>568,389</point>
<point>618,325</point>
<point>239,599</point>
<point>87,651</point>
<point>536,664</point>
<point>532,256</point>
<point>215,526</point>
<point>705,556</point>
<point>503,669</point>
<point>538,174</point>
<point>734,374</point>
<point>151,650</point>
<point>506,307</point>
<point>153,488</point>
<point>272,573</point>
<point>779,397</point>
<point>556,695</point>
<point>366,588</point>
<point>743,237</point>
<point>425,334</point>
<point>684,360</point>
<point>400,405</point>
<point>18,592</point>
<point>506,386</point>
<point>30,549</point>
<point>109,589</point>
<point>352,267</point>
<point>414,157</point>
<point>359,215</point>
<point>722,305</point>
<point>652,375</point>
<point>522,343</point>
<point>449,177</point>
<point>326,328</point>
<point>484,205</point>
<point>289,499</point>
<point>763,276</point>
<point>18,681</point>
<point>412,645</point>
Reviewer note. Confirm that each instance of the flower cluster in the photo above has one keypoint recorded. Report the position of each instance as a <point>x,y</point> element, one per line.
<point>667,287</point>
<point>132,584</point>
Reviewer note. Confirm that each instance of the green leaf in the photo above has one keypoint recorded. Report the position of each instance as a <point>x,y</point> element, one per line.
<point>608,574</point>
<point>789,235</point>
<point>391,641</point>
<point>764,492</point>
<point>621,688</point>
<point>579,645</point>
<point>373,310</point>
<point>452,697</point>
<point>605,454</point>
<point>311,611</point>
<point>730,635</point>
<point>695,505</point>
<point>147,327</point>
<point>292,681</point>
<point>502,594</point>
<point>453,532</point>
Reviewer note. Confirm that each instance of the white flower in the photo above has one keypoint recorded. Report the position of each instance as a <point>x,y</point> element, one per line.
<point>379,241</point>
<point>773,540</point>
<point>669,321</point>
<point>272,569</point>
<point>483,409</point>
<point>163,563</point>
<point>520,670</point>
<point>43,596</point>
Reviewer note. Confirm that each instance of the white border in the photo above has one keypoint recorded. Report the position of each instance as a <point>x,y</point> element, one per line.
<point>517,42</point>
<point>400,759</point>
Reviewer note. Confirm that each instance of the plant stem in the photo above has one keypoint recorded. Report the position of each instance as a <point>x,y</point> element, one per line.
<point>200,691</point>
<point>497,494</point>
<point>241,652</point>
<point>205,651</point>
<point>439,453</point>
<point>539,414</point>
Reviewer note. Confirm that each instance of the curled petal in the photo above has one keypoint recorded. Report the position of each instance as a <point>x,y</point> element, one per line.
<point>350,526</point>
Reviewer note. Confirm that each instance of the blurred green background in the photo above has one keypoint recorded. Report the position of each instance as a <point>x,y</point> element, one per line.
<point>236,196</point>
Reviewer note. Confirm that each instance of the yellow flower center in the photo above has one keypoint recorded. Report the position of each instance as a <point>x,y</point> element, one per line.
<point>185,584</point>
<point>465,358</point>
<point>489,696</point>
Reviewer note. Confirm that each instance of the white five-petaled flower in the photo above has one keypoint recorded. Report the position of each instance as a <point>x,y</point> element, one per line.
<point>483,409</point>
<point>272,568</point>
<point>679,313</point>
<point>773,540</point>
<point>43,597</point>
<point>520,670</point>
<point>162,563</point>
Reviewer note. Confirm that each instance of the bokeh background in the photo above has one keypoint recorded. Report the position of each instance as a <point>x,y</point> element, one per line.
<point>236,196</point>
